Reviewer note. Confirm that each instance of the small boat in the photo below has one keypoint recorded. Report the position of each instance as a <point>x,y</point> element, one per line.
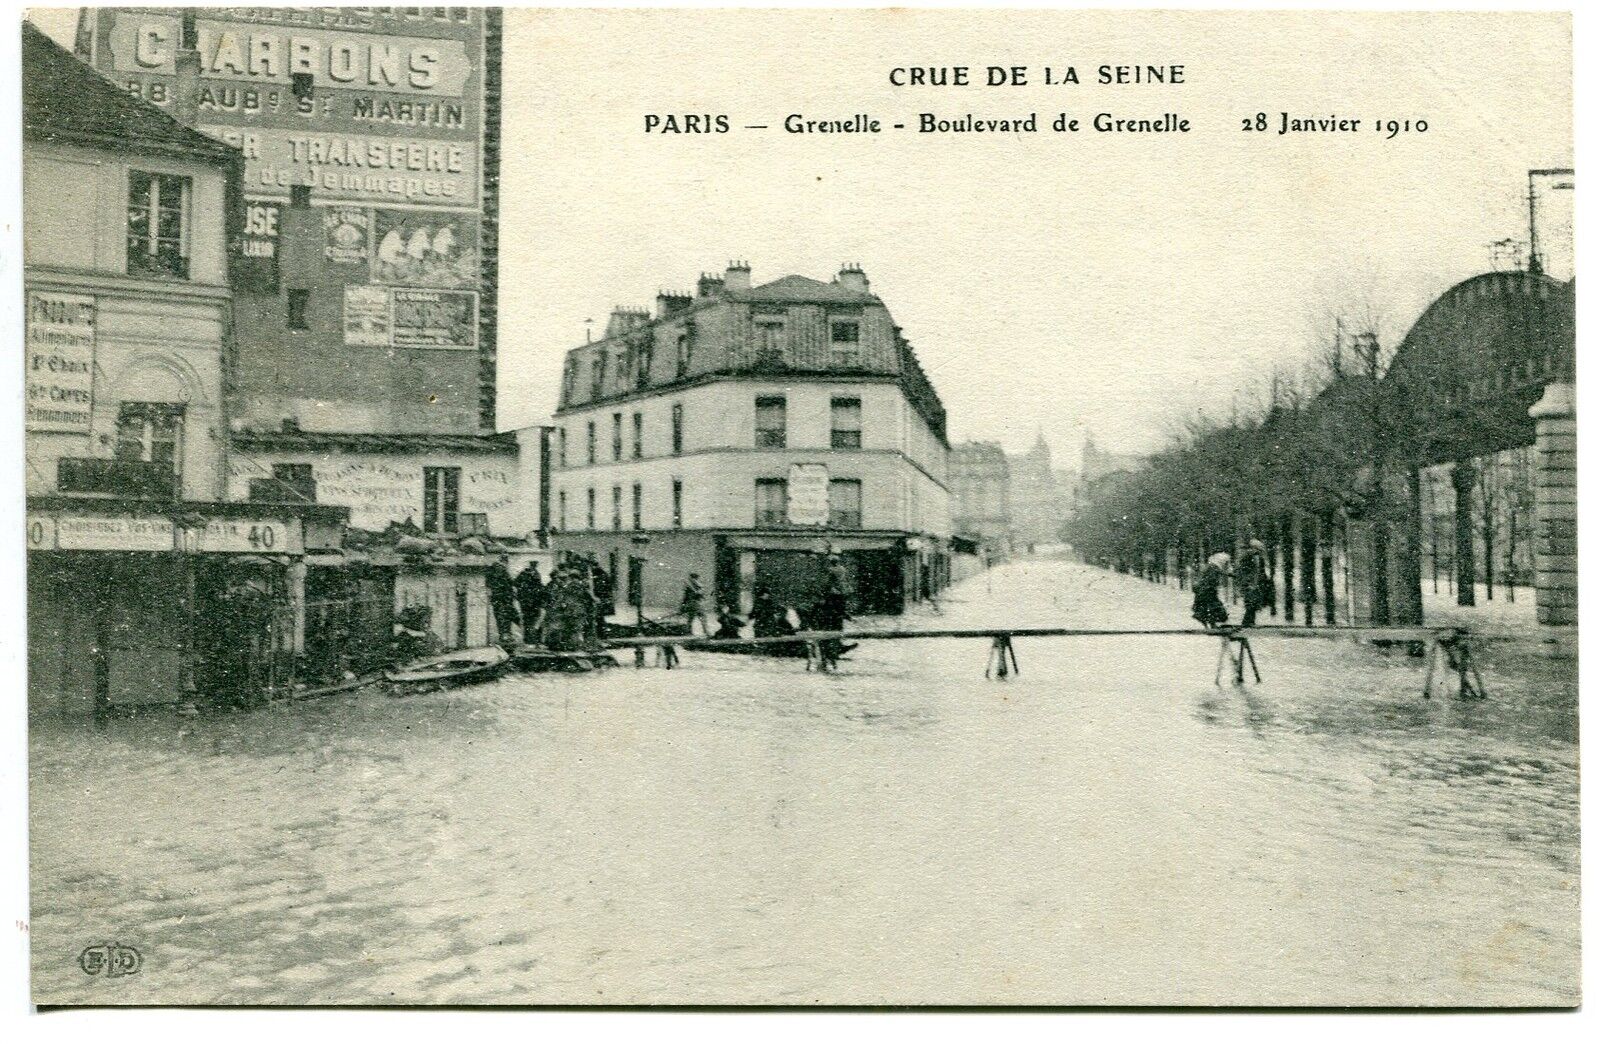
<point>536,659</point>
<point>448,669</point>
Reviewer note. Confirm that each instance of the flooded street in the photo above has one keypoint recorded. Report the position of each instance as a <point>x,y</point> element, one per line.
<point>1107,828</point>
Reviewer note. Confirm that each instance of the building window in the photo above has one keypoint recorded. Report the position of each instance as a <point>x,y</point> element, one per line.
<point>646,358</point>
<point>845,333</point>
<point>844,503</point>
<point>561,511</point>
<point>299,304</point>
<point>771,422</point>
<point>638,435</point>
<point>591,442</point>
<point>616,507</point>
<point>616,436</point>
<point>151,432</point>
<point>561,446</point>
<point>846,424</point>
<point>769,340</point>
<point>683,354</point>
<point>677,503</point>
<point>441,499</point>
<point>295,481</point>
<point>772,502</point>
<point>591,507</point>
<point>597,384</point>
<point>638,506</point>
<point>158,224</point>
<point>677,428</point>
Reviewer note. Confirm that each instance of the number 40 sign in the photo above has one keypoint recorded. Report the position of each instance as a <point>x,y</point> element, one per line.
<point>257,536</point>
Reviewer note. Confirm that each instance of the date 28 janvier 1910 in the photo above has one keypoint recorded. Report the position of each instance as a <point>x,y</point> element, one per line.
<point>1287,123</point>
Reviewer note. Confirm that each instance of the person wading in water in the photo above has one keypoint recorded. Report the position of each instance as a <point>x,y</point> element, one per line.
<point>1208,607</point>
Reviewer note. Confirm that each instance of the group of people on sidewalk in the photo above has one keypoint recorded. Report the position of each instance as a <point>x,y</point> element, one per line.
<point>565,614</point>
<point>1252,578</point>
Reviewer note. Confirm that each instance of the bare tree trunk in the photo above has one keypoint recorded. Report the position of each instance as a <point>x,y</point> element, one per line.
<point>1286,542</point>
<point>1308,565</point>
<point>1462,477</point>
<point>1410,579</point>
<point>1330,605</point>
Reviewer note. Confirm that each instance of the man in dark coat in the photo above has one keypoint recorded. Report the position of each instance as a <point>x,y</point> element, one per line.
<point>502,597</point>
<point>530,600</point>
<point>1255,583</point>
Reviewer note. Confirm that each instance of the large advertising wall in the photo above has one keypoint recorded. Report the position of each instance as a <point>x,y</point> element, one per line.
<point>381,113</point>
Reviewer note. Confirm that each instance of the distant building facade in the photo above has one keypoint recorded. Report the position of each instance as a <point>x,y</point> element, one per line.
<point>980,493</point>
<point>1036,507</point>
<point>748,433</point>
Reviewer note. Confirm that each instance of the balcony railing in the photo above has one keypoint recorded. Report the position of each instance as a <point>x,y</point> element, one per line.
<point>133,479</point>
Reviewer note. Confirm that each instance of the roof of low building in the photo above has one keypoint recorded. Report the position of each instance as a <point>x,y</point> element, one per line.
<point>64,100</point>
<point>792,289</point>
<point>355,442</point>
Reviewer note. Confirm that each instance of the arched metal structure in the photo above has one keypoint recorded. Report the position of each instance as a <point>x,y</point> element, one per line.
<point>1477,359</point>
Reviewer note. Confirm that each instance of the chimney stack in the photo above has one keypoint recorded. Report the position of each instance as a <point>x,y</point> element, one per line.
<point>708,286</point>
<point>737,277</point>
<point>670,303</point>
<point>851,277</point>
<point>186,88</point>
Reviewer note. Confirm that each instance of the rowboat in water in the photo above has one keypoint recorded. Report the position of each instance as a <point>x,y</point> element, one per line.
<point>446,670</point>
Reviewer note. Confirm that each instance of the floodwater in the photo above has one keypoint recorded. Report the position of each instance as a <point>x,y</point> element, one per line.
<point>1107,828</point>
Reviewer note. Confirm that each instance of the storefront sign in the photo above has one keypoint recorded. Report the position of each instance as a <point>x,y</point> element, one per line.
<point>60,365</point>
<point>114,534</point>
<point>366,316</point>
<point>346,229</point>
<point>355,167</point>
<point>435,318</point>
<point>258,536</point>
<point>425,248</point>
<point>41,532</point>
<point>808,494</point>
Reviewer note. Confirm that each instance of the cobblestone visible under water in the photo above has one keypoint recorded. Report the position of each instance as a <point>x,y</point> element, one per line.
<point>1109,827</point>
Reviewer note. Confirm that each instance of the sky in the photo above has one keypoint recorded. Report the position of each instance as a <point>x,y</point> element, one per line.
<point>1062,284</point>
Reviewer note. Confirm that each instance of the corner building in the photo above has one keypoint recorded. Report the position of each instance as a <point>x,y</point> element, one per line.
<point>747,433</point>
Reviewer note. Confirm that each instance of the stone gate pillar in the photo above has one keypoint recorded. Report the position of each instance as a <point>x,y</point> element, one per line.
<point>1555,546</point>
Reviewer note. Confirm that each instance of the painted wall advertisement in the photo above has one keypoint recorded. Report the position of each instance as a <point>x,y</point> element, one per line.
<point>434,318</point>
<point>808,494</point>
<point>425,248</point>
<point>345,230</point>
<point>394,113</point>
<point>366,316</point>
<point>257,265</point>
<point>60,366</point>
<point>379,492</point>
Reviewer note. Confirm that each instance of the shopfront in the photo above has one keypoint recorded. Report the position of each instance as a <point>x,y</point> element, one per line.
<point>133,606</point>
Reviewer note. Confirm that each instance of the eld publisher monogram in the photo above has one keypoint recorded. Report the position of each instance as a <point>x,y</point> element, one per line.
<point>111,960</point>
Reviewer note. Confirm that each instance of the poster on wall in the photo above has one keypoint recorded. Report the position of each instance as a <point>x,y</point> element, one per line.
<point>808,494</point>
<point>366,316</point>
<point>345,230</point>
<point>60,367</point>
<point>258,247</point>
<point>434,318</point>
<point>425,248</point>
